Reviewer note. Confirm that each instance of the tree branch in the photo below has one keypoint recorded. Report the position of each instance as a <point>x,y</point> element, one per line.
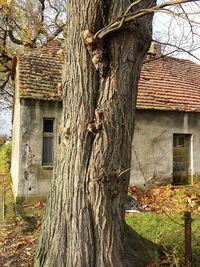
<point>126,18</point>
<point>178,48</point>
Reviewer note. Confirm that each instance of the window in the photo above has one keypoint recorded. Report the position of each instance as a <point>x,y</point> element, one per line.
<point>182,159</point>
<point>181,140</point>
<point>48,136</point>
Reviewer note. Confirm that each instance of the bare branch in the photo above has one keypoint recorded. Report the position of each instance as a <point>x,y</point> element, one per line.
<point>179,48</point>
<point>126,18</point>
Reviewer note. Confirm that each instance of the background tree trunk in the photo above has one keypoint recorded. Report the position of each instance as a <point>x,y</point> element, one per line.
<point>84,222</point>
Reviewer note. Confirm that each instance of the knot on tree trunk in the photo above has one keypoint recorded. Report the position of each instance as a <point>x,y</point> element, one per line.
<point>95,126</point>
<point>96,51</point>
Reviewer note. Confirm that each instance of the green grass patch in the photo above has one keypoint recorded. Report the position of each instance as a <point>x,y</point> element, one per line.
<point>5,158</point>
<point>6,194</point>
<point>168,232</point>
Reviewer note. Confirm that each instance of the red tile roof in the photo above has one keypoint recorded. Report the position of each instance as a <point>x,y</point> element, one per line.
<point>169,84</point>
<point>165,84</point>
<point>40,72</point>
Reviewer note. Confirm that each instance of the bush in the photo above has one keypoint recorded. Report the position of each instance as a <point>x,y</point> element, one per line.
<point>5,157</point>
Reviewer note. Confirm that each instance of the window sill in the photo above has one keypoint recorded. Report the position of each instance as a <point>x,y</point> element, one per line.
<point>47,167</point>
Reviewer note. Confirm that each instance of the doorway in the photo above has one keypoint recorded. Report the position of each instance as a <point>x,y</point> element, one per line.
<point>182,159</point>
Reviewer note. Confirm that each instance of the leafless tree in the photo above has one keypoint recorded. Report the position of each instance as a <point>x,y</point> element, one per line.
<point>25,23</point>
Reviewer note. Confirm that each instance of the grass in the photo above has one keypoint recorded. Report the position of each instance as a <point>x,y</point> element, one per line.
<point>168,232</point>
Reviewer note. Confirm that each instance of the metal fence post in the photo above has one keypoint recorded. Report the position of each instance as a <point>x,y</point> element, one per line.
<point>188,238</point>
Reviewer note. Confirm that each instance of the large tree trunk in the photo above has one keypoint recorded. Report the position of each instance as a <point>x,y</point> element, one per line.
<point>84,223</point>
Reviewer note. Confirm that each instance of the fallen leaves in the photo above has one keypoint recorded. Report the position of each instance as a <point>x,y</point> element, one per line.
<point>169,199</point>
<point>16,248</point>
<point>20,231</point>
<point>23,242</point>
<point>40,205</point>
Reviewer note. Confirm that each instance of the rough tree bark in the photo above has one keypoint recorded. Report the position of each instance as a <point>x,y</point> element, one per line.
<point>84,223</point>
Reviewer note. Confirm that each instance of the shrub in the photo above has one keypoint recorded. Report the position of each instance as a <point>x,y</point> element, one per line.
<point>5,157</point>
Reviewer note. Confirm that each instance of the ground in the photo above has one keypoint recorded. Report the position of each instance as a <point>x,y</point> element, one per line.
<point>161,221</point>
<point>19,228</point>
<point>16,247</point>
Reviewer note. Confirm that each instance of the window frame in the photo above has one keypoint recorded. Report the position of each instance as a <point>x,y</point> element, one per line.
<point>51,135</point>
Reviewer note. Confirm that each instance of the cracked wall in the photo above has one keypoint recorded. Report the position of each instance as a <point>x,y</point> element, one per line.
<point>30,178</point>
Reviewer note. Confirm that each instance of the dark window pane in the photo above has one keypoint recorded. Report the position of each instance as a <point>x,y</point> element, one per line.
<point>48,126</point>
<point>47,150</point>
<point>174,140</point>
<point>181,140</point>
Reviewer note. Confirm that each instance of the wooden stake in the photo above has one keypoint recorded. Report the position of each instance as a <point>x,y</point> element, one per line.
<point>188,239</point>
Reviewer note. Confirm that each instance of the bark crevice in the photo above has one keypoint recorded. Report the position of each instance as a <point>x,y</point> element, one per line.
<point>84,225</point>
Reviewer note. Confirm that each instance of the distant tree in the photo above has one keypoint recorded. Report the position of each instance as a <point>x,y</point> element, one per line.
<point>3,138</point>
<point>25,24</point>
<point>2,141</point>
<point>105,42</point>
<point>5,157</point>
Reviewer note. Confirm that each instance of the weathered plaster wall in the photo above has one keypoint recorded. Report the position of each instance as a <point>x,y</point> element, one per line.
<point>34,179</point>
<point>15,160</point>
<point>152,147</point>
<point>16,142</point>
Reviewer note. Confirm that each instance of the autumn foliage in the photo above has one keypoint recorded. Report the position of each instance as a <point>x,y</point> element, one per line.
<point>169,199</point>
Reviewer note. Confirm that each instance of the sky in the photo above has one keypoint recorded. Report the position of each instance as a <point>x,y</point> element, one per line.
<point>167,29</point>
<point>179,32</point>
<point>5,122</point>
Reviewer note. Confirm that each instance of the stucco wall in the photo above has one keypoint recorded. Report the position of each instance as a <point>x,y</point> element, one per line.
<point>16,144</point>
<point>152,147</point>
<point>34,179</point>
<point>16,140</point>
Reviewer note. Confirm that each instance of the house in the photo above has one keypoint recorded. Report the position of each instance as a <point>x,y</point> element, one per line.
<point>166,143</point>
<point>37,109</point>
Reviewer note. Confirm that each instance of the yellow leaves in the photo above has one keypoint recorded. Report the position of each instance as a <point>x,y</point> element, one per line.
<point>18,15</point>
<point>28,33</point>
<point>23,26</point>
<point>25,34</point>
<point>169,199</point>
<point>9,2</point>
<point>15,12</point>
<point>5,2</point>
<point>61,54</point>
<point>24,42</point>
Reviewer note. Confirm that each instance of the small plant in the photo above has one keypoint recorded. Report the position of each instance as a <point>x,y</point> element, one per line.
<point>5,158</point>
<point>174,255</point>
